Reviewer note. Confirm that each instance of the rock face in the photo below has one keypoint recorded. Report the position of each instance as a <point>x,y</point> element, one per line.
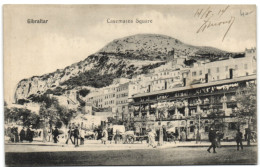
<point>123,57</point>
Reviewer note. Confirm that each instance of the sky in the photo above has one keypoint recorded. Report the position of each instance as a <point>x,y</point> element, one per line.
<point>73,32</point>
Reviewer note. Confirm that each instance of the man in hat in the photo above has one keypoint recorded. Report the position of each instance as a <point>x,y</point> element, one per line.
<point>239,139</point>
<point>22,135</point>
<point>70,133</point>
<point>55,134</point>
<point>212,139</point>
<point>76,137</point>
<point>29,134</point>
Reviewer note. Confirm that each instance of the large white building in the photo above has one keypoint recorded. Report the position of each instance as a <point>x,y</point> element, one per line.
<point>224,69</point>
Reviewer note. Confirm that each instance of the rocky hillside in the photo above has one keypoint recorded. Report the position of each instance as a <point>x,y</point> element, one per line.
<point>152,46</point>
<point>123,57</point>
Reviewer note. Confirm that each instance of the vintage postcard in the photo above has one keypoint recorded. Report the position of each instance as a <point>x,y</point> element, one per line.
<point>130,85</point>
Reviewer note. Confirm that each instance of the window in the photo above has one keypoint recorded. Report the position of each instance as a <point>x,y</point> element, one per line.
<point>208,71</point>
<point>245,66</point>
<point>217,69</point>
<point>226,68</point>
<point>194,73</point>
<point>200,72</point>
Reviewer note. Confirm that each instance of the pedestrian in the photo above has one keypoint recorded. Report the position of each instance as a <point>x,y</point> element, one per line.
<point>55,134</point>
<point>50,134</point>
<point>217,139</point>
<point>176,134</point>
<point>29,134</point>
<point>239,139</point>
<point>69,136</point>
<point>151,138</point>
<point>198,137</point>
<point>9,133</point>
<point>160,136</point>
<point>39,134</point>
<point>165,135</point>
<point>104,136</point>
<point>22,135</point>
<point>96,135</point>
<point>12,134</point>
<point>219,136</point>
<point>183,135</point>
<point>249,137</point>
<point>16,135</point>
<point>44,134</point>
<point>82,136</point>
<point>76,137</point>
<point>246,131</point>
<point>212,139</point>
<point>117,136</point>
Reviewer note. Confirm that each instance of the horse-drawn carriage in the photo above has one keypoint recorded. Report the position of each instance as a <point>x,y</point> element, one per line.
<point>131,137</point>
<point>172,134</point>
<point>119,135</point>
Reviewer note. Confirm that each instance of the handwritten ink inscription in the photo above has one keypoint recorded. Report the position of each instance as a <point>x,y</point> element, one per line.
<point>214,18</point>
<point>245,13</point>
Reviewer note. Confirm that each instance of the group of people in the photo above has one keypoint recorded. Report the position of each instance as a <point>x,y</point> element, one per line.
<point>75,134</point>
<point>23,135</point>
<point>215,140</point>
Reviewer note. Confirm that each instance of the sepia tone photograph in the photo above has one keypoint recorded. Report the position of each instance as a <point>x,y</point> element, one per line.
<point>99,85</point>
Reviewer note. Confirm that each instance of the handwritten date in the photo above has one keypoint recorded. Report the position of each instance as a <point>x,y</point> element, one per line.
<point>214,18</point>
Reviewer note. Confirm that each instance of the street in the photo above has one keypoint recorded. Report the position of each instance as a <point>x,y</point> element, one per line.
<point>145,156</point>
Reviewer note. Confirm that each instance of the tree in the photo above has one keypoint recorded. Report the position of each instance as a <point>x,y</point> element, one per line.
<point>56,114</point>
<point>32,119</point>
<point>48,114</point>
<point>67,116</point>
<point>246,103</point>
<point>246,106</point>
<point>24,115</point>
<point>217,117</point>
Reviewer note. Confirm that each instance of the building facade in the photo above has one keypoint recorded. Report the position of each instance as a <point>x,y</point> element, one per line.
<point>182,107</point>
